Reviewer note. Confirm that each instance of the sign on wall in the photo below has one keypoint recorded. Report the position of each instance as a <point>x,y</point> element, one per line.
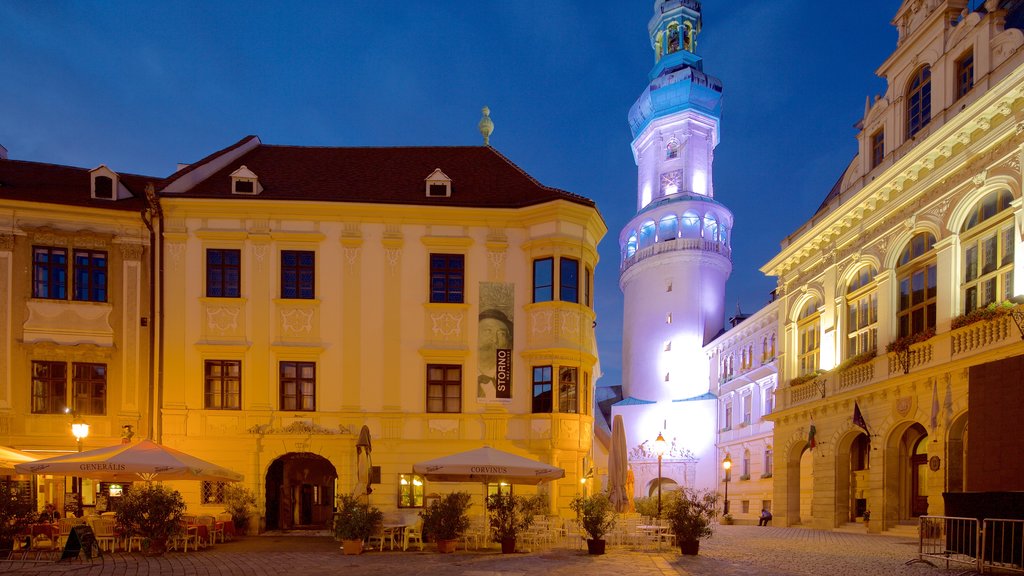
<point>494,342</point>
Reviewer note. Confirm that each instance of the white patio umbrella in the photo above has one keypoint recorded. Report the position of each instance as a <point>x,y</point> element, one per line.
<point>9,457</point>
<point>617,466</point>
<point>487,465</point>
<point>145,460</point>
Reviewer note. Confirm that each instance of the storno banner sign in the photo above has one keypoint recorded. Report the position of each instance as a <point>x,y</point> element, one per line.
<point>503,374</point>
<point>494,342</point>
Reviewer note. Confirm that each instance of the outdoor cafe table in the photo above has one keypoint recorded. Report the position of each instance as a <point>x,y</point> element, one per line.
<point>51,531</point>
<point>655,532</point>
<point>391,531</point>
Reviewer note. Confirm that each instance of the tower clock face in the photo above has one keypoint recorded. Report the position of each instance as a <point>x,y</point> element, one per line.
<point>671,182</point>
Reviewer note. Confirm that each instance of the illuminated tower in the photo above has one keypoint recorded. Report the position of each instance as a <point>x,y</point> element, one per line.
<point>675,258</point>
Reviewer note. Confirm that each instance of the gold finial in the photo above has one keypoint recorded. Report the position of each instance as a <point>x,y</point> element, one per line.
<point>486,126</point>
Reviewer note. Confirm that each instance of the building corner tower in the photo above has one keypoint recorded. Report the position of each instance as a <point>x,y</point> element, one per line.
<point>675,260</point>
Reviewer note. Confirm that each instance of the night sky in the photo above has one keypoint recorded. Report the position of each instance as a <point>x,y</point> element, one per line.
<point>141,86</point>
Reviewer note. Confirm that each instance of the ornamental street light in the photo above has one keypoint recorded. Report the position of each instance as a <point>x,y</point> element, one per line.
<point>659,448</point>
<point>726,465</point>
<point>80,430</point>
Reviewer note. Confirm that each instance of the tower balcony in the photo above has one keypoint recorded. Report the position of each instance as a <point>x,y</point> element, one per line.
<point>674,245</point>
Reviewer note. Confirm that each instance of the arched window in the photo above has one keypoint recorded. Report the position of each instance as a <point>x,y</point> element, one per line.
<point>919,101</point>
<point>690,225</point>
<point>710,227</point>
<point>668,228</point>
<point>809,334</point>
<point>646,235</point>
<point>772,351</point>
<point>631,246</point>
<point>861,313</point>
<point>673,38</point>
<point>917,285</point>
<point>764,349</point>
<point>987,240</point>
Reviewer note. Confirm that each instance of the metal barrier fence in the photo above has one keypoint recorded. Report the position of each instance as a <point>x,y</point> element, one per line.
<point>950,540</point>
<point>1002,544</point>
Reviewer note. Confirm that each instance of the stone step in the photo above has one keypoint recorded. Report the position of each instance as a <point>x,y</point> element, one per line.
<point>903,529</point>
<point>852,527</point>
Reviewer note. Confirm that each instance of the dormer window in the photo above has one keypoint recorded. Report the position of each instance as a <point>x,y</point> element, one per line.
<point>245,181</point>
<point>438,185</point>
<point>105,185</point>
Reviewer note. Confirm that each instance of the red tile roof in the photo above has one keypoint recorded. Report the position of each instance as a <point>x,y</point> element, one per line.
<point>481,176</point>
<point>65,185</point>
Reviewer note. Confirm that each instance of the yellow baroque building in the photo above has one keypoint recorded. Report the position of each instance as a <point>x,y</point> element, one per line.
<point>438,296</point>
<point>892,292</point>
<point>75,313</point>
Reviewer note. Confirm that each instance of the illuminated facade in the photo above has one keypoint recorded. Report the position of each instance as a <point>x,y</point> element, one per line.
<point>75,311</point>
<point>675,260</point>
<point>309,292</point>
<point>892,291</point>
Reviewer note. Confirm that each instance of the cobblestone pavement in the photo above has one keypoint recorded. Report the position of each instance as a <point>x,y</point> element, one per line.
<point>732,551</point>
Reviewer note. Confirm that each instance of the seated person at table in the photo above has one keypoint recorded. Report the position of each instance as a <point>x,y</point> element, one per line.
<point>49,514</point>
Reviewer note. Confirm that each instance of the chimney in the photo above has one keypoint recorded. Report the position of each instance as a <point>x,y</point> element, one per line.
<point>3,152</point>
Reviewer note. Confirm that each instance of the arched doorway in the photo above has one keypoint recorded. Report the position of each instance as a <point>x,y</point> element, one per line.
<point>956,456</point>
<point>666,484</point>
<point>853,460</point>
<point>799,483</point>
<point>300,492</point>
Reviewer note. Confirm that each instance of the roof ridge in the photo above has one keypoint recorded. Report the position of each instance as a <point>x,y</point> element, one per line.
<point>205,160</point>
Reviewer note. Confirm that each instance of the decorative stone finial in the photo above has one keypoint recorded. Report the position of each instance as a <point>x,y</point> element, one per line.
<point>486,126</point>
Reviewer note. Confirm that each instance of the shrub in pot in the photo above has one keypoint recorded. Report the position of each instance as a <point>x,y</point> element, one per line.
<point>446,519</point>
<point>595,515</point>
<point>240,502</point>
<point>354,522</point>
<point>510,516</point>
<point>689,514</point>
<point>153,512</point>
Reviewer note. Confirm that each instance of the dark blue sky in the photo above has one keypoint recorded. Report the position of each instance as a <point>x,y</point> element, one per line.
<point>140,86</point>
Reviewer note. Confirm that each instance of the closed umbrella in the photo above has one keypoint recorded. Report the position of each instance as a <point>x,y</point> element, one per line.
<point>145,460</point>
<point>363,463</point>
<point>617,473</point>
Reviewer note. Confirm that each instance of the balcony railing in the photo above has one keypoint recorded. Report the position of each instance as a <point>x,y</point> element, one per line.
<point>677,244</point>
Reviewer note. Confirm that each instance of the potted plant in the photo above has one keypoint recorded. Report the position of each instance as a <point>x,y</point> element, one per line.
<point>15,515</point>
<point>595,516</point>
<point>354,522</point>
<point>689,513</point>
<point>240,502</point>
<point>726,519</point>
<point>446,519</point>
<point>153,512</point>
<point>509,516</point>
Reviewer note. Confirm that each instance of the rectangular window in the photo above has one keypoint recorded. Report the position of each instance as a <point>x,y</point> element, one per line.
<point>585,394</point>
<point>49,387</point>
<point>89,382</point>
<point>588,285</point>
<point>447,275</point>
<point>769,401</point>
<point>49,273</point>
<point>298,386</point>
<point>223,384</point>
<point>410,491</point>
<point>444,388</point>
<point>769,462</point>
<point>728,416</point>
<point>90,276</point>
<point>745,506</point>
<point>964,75</point>
<point>223,273</point>
<point>568,390</point>
<point>877,148</point>
<point>298,269</point>
<point>747,408</point>
<point>544,280</point>
<point>212,492</point>
<point>568,280</point>
<point>766,505</point>
<point>542,389</point>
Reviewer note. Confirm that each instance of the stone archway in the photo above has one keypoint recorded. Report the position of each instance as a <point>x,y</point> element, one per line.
<point>956,455</point>
<point>853,461</point>
<point>799,483</point>
<point>300,492</point>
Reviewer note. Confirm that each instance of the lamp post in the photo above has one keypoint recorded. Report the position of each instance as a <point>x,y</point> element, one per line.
<point>659,449</point>
<point>80,430</point>
<point>726,465</point>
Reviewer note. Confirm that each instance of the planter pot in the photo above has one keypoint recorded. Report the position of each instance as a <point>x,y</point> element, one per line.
<point>154,546</point>
<point>349,547</point>
<point>595,546</point>
<point>689,547</point>
<point>508,545</point>
<point>446,546</point>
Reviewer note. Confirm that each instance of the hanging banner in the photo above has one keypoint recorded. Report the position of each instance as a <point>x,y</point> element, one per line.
<point>494,342</point>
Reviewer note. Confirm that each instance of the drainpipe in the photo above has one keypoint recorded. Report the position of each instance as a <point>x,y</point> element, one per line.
<point>152,216</point>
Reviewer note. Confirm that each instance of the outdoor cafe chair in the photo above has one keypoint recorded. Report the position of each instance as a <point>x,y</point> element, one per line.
<point>103,528</point>
<point>413,533</point>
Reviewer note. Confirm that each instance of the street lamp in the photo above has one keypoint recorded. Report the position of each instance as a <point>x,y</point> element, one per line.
<point>80,430</point>
<point>659,449</point>
<point>726,465</point>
